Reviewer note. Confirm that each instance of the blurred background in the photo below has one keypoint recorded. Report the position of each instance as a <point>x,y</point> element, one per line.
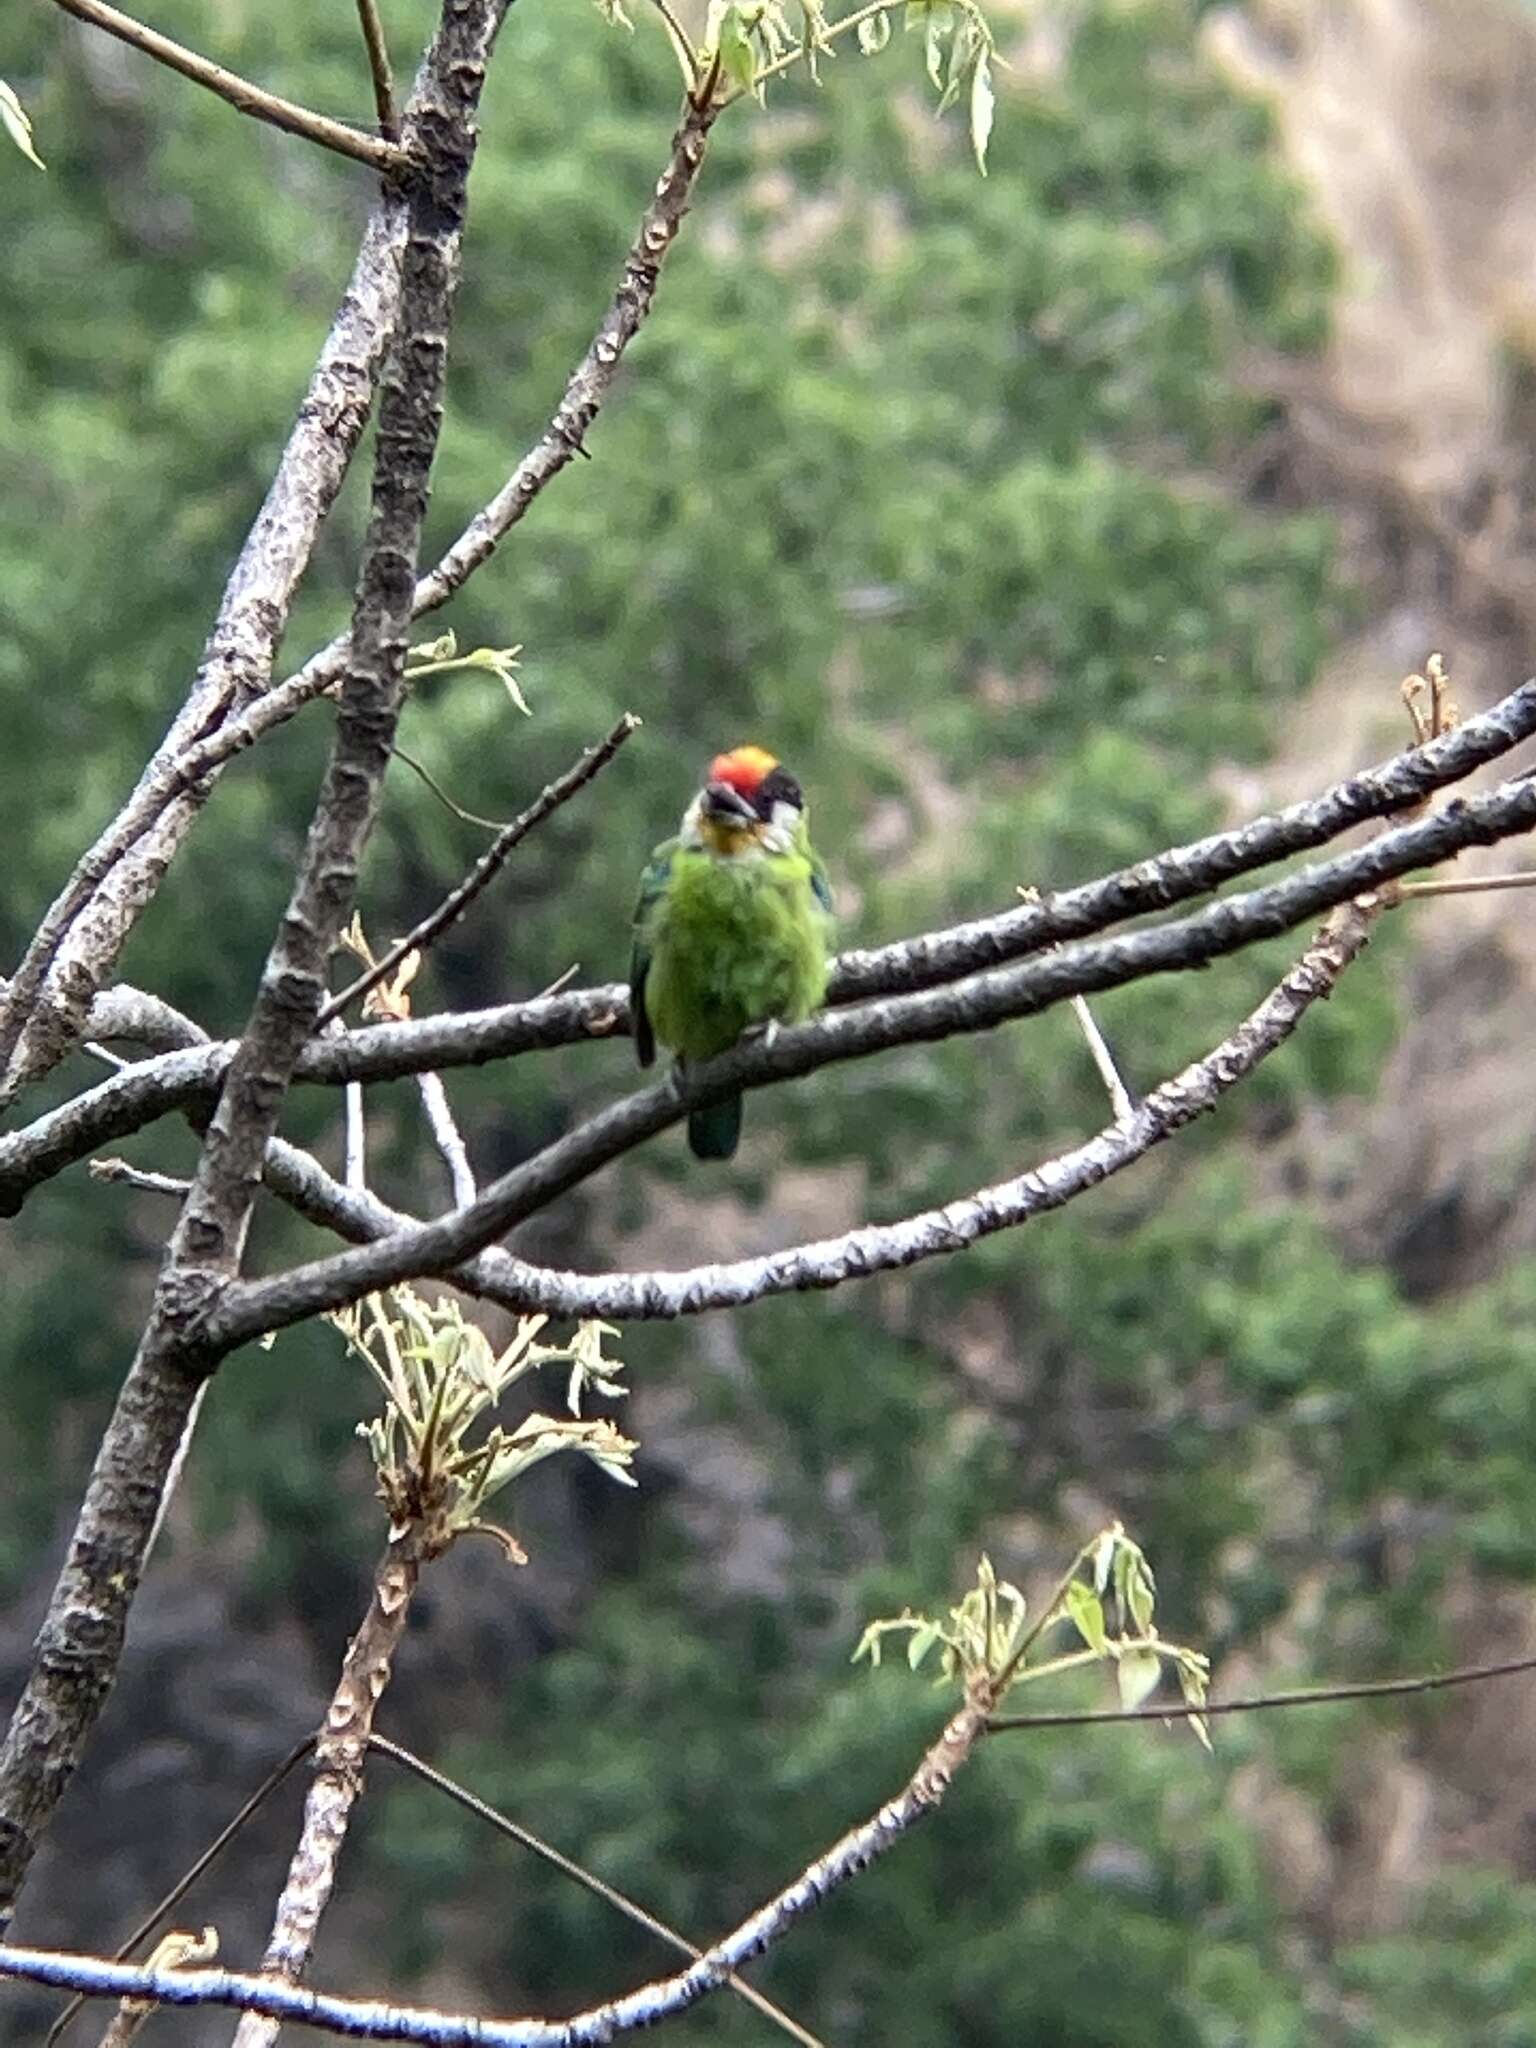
<point>1038,521</point>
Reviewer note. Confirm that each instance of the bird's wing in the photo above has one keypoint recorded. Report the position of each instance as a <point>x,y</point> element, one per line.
<point>821,885</point>
<point>652,885</point>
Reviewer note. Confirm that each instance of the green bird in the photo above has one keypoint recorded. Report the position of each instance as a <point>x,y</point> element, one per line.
<point>732,927</point>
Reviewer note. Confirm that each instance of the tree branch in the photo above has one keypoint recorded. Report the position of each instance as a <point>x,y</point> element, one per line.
<point>984,1001</point>
<point>80,937</point>
<point>340,1751</point>
<point>378,152</point>
<point>378,67</point>
<point>497,1275</point>
<point>81,1639</point>
<point>486,868</point>
<point>140,1095</point>
<point>1311,1696</point>
<point>921,1795</point>
<point>209,733</point>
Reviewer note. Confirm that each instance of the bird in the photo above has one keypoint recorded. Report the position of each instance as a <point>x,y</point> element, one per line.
<point>732,927</point>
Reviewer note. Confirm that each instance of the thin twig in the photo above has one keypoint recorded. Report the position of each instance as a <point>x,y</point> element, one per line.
<point>378,66</point>
<point>461,1175</point>
<point>1467,885</point>
<point>485,869</point>
<point>409,1761</point>
<point>1120,1098</point>
<point>682,48</point>
<point>177,1950</point>
<point>380,153</point>
<point>120,1171</point>
<point>1314,1696</point>
<point>466,817</point>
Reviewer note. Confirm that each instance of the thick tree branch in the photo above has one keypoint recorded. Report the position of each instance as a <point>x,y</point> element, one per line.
<point>83,931</point>
<point>81,1639</point>
<point>487,867</point>
<point>497,1275</point>
<point>921,1795</point>
<point>144,1093</point>
<point>979,1004</point>
<point>378,152</point>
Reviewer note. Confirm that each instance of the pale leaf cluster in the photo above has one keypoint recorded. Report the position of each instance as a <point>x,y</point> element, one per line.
<point>1107,1598</point>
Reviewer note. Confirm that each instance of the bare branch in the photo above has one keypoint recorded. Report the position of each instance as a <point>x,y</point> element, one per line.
<point>378,68</point>
<point>81,1639</point>
<point>249,1309</point>
<point>210,733</point>
<point>922,1794</point>
<point>1312,1696</point>
<point>487,867</point>
<point>396,1051</point>
<point>378,152</point>
<point>447,1137</point>
<point>80,937</point>
<point>340,1751</point>
<point>586,391</point>
<point>592,379</point>
<point>496,1275</point>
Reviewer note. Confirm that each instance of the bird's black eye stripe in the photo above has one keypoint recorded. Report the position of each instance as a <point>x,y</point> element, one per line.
<point>778,786</point>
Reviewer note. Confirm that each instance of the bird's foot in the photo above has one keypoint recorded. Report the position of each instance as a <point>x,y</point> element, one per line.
<point>767,1032</point>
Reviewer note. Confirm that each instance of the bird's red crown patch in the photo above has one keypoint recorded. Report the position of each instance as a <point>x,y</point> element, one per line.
<point>743,768</point>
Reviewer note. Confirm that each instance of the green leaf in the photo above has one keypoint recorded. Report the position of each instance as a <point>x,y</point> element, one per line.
<point>14,120</point>
<point>1193,1680</point>
<point>1087,1616</point>
<point>923,1640</point>
<point>983,103</point>
<point>939,22</point>
<point>1138,1672</point>
<point>738,60</point>
<point>874,34</point>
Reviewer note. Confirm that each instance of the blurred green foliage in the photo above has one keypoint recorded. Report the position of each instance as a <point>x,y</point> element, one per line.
<point>919,478</point>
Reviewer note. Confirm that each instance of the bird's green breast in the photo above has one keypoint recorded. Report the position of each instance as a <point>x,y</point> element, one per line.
<point>732,943</point>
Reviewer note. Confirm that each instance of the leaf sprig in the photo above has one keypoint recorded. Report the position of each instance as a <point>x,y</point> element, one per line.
<point>441,657</point>
<point>440,1376</point>
<point>1107,1596</point>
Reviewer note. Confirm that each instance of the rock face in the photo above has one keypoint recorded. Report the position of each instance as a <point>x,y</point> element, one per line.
<point>1403,119</point>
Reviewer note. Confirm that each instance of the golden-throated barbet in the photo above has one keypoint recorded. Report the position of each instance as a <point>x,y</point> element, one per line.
<point>732,928</point>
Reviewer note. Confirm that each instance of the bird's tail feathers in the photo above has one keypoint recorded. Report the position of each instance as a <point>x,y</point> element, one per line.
<point>713,1132</point>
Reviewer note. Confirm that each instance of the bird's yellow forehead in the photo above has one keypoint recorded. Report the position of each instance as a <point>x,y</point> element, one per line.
<point>728,836</point>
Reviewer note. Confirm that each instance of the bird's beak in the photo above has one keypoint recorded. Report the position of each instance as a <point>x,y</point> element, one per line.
<point>727,805</point>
